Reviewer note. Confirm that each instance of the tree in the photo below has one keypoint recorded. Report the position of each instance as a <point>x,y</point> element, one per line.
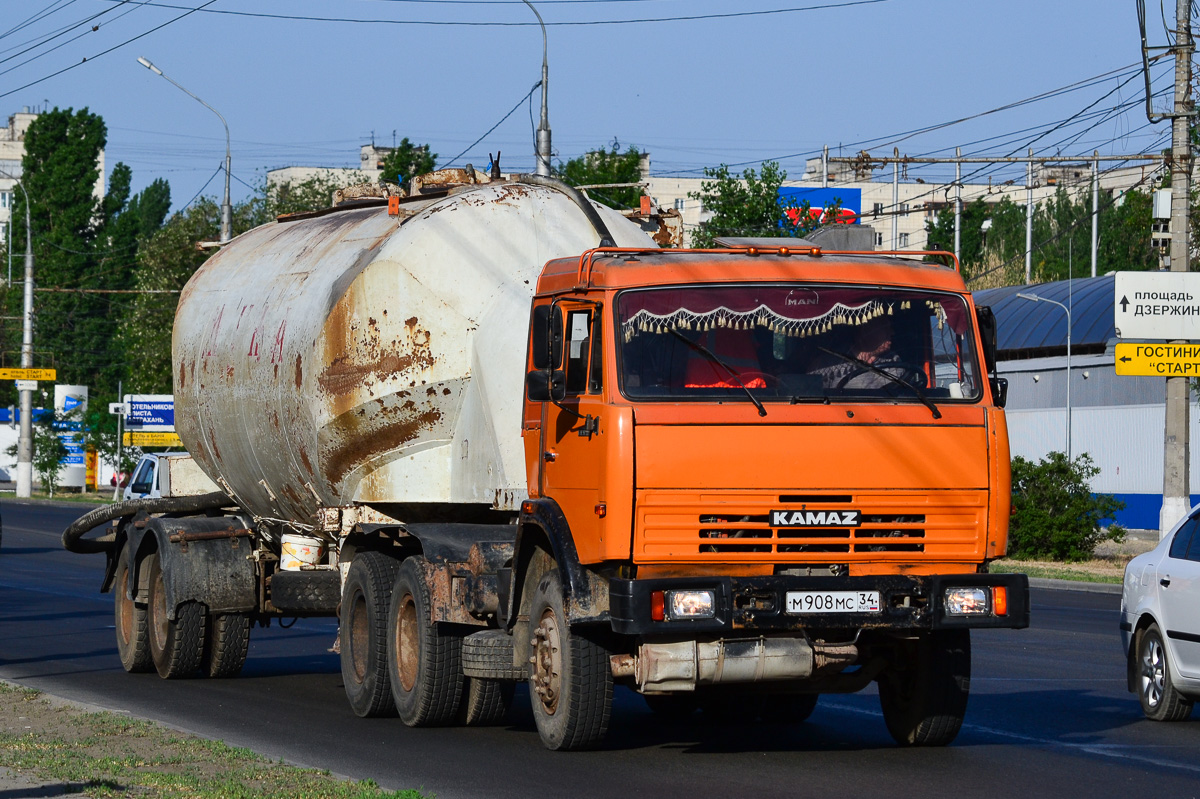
<point>406,161</point>
<point>606,166</point>
<point>1062,236</point>
<point>940,232</point>
<point>82,243</point>
<point>1054,512</point>
<point>165,263</point>
<point>750,206</point>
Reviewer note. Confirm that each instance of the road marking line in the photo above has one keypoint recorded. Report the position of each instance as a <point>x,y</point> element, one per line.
<point>1104,750</point>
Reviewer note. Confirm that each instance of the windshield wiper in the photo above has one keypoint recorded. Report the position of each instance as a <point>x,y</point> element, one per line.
<point>928,403</point>
<point>700,348</point>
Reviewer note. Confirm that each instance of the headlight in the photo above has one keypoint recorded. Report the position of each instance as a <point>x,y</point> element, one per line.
<point>691,604</point>
<point>968,601</point>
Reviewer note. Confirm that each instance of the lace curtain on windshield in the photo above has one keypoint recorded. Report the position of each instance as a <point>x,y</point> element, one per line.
<point>796,342</point>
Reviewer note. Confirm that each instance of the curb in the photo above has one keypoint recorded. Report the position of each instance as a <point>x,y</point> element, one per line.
<point>1075,585</point>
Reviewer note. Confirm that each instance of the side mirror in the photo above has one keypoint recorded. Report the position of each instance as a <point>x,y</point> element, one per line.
<point>987,331</point>
<point>546,385</point>
<point>547,342</point>
<point>999,390</point>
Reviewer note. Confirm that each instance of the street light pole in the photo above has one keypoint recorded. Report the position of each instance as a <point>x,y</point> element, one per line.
<point>543,130</point>
<point>1036,298</point>
<point>226,208</point>
<point>25,436</point>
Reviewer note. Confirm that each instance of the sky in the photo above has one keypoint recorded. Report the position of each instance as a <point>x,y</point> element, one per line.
<point>696,83</point>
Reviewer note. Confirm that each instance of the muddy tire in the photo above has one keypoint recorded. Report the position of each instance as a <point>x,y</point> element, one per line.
<point>485,702</point>
<point>363,634</point>
<point>227,644</point>
<point>176,646</point>
<point>570,682</point>
<point>1159,699</point>
<point>424,666</point>
<point>488,655</point>
<point>924,694</point>
<point>129,620</point>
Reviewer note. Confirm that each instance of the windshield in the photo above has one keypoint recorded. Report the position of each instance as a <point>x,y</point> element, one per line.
<point>797,343</point>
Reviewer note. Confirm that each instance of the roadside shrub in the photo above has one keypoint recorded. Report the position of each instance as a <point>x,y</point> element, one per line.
<point>1055,515</point>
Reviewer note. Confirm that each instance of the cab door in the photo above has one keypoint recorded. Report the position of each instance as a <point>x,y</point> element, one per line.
<point>574,431</point>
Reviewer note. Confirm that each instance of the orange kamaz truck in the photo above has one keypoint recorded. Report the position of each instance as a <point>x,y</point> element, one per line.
<point>731,480</point>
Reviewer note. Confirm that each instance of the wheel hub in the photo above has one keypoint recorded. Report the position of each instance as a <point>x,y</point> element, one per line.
<point>547,662</point>
<point>1153,673</point>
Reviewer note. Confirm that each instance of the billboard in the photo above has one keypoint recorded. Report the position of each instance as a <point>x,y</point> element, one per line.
<point>150,412</point>
<point>850,201</point>
<point>71,401</point>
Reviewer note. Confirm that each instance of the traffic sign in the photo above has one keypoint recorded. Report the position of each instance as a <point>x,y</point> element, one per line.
<point>1157,305</point>
<point>150,412</point>
<point>27,385</point>
<point>28,374</point>
<point>137,438</point>
<point>1158,360</point>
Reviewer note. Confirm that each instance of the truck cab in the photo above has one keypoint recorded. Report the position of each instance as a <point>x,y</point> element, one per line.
<point>780,463</point>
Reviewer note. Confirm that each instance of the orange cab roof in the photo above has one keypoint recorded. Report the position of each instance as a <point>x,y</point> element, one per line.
<point>618,269</point>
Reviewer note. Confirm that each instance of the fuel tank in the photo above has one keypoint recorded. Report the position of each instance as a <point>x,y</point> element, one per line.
<point>367,356</point>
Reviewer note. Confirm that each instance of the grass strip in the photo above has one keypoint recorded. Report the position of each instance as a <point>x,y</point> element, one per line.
<point>107,755</point>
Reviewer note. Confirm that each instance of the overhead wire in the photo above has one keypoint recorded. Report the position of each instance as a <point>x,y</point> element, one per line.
<point>522,24</point>
<point>171,21</point>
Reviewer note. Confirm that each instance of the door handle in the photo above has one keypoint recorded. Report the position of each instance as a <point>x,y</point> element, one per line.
<point>1165,581</point>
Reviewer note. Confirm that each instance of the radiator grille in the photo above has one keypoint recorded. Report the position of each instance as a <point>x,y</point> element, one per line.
<point>899,526</point>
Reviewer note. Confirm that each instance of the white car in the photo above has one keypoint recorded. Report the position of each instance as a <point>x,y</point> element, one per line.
<point>1160,623</point>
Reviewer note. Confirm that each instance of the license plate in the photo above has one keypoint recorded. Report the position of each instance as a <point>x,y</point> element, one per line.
<point>832,601</point>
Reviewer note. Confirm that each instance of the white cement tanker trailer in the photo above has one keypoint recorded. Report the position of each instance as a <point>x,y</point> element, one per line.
<point>339,374</point>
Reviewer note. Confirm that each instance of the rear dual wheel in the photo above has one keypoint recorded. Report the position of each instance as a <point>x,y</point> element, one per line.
<point>176,645</point>
<point>425,666</point>
<point>130,621</point>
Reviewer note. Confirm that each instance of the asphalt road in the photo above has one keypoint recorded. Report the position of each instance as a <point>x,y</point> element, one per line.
<point>1049,714</point>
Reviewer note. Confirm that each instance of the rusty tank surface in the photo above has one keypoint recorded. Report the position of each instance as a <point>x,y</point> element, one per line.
<point>373,354</point>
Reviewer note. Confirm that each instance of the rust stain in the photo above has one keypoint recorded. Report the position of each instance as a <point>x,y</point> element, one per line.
<point>182,374</point>
<point>355,449</point>
<point>411,321</point>
<point>299,371</point>
<point>446,392</point>
<point>307,463</point>
<point>229,372</point>
<point>343,376</point>
<point>276,372</point>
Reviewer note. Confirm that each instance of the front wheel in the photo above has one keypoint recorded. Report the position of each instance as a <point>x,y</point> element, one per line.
<point>924,693</point>
<point>1160,701</point>
<point>570,681</point>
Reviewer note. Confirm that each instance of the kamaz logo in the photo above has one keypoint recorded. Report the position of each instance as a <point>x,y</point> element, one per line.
<point>815,518</point>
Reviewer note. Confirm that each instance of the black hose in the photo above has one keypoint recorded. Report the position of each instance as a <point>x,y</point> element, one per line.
<point>72,537</point>
<point>585,205</point>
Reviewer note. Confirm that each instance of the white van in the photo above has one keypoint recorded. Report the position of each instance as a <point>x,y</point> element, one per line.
<point>167,474</point>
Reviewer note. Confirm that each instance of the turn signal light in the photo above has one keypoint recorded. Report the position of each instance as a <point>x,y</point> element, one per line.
<point>658,605</point>
<point>1000,600</point>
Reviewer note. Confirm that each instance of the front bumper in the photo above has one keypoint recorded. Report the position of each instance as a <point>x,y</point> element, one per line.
<point>756,604</point>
